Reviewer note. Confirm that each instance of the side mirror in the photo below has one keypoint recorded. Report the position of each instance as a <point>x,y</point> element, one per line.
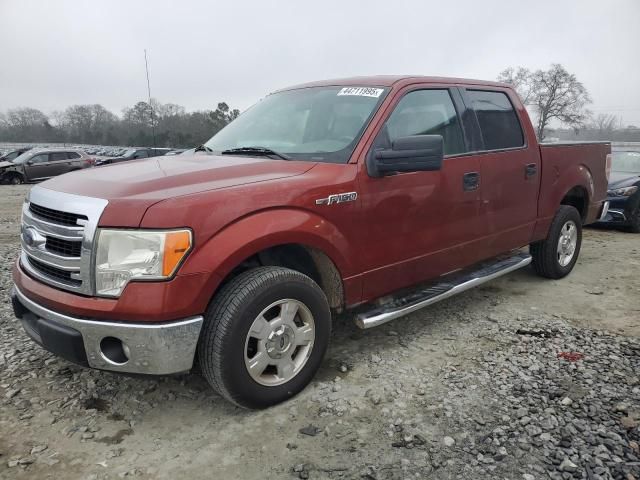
<point>417,153</point>
<point>29,162</point>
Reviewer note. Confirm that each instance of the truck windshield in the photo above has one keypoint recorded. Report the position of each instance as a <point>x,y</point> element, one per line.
<point>626,162</point>
<point>319,124</point>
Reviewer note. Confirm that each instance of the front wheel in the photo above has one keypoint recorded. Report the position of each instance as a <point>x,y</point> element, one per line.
<point>264,336</point>
<point>555,256</point>
<point>634,220</point>
<point>16,179</point>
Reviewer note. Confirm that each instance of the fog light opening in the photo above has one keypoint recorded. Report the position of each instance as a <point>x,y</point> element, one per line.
<point>114,350</point>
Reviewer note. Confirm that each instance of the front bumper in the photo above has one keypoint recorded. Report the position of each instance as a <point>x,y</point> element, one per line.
<point>617,213</point>
<point>148,348</point>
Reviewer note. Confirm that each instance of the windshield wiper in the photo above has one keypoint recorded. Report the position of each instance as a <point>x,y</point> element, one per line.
<point>255,151</point>
<point>203,148</point>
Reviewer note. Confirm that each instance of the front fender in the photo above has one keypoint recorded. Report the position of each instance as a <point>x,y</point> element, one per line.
<point>249,235</point>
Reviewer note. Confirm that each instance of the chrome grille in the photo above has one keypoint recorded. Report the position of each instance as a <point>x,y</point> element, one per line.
<point>52,272</point>
<point>55,216</point>
<point>66,248</point>
<point>57,238</point>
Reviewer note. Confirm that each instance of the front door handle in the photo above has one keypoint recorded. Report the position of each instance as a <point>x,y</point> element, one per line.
<point>531,170</point>
<point>470,181</point>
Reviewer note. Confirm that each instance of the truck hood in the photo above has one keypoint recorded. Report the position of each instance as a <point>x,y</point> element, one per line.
<point>132,187</point>
<point>4,164</point>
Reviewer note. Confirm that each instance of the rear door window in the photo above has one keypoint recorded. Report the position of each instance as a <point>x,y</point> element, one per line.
<point>72,155</point>
<point>57,156</point>
<point>497,118</point>
<point>427,112</point>
<point>141,154</point>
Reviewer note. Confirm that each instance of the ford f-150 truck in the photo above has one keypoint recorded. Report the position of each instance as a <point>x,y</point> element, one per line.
<point>380,195</point>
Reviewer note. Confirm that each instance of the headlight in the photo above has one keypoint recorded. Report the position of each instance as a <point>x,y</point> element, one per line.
<point>126,255</point>
<point>623,192</point>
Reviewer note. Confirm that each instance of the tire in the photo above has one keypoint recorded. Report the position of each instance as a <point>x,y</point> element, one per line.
<point>15,179</point>
<point>550,259</point>
<point>634,221</point>
<point>226,347</point>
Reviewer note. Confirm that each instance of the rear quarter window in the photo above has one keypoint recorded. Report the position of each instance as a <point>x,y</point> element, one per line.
<point>499,123</point>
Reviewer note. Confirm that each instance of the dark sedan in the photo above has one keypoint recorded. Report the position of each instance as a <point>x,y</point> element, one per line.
<point>624,191</point>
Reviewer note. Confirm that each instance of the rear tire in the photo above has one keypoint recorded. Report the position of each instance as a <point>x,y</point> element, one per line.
<point>555,256</point>
<point>264,336</point>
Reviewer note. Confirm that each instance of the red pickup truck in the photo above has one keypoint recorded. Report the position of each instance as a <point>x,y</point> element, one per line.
<point>382,193</point>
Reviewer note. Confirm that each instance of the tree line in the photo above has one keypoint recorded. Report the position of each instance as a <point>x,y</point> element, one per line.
<point>556,96</point>
<point>557,100</point>
<point>143,124</point>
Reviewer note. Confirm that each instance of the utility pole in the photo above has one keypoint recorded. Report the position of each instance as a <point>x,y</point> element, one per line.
<point>153,126</point>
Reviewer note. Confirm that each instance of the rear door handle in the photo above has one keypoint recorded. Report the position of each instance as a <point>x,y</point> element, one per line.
<point>470,181</point>
<point>531,170</point>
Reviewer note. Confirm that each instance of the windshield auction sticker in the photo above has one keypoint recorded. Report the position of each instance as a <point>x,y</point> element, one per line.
<point>361,91</point>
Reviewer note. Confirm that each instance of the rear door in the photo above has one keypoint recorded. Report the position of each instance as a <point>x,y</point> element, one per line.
<point>509,168</point>
<point>58,163</point>
<point>418,222</point>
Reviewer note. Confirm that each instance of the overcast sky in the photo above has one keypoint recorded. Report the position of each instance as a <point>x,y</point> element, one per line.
<point>57,53</point>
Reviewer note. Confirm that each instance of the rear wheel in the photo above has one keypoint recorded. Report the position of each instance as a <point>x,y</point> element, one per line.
<point>555,256</point>
<point>264,336</point>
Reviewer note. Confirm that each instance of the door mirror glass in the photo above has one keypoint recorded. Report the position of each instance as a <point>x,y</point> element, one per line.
<point>415,153</point>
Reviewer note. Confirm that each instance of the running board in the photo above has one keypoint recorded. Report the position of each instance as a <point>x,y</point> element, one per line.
<point>407,304</point>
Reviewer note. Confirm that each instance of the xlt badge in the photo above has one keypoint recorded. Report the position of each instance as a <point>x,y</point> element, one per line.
<point>338,198</point>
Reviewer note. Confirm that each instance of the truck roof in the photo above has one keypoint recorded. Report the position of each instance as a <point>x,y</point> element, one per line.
<point>393,80</point>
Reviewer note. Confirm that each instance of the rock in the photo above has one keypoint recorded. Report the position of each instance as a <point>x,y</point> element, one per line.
<point>310,430</point>
<point>528,476</point>
<point>12,392</point>
<point>566,401</point>
<point>38,449</point>
<point>449,441</point>
<point>629,422</point>
<point>567,466</point>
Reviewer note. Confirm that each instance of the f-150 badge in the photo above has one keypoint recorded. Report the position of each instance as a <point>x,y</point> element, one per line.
<point>338,198</point>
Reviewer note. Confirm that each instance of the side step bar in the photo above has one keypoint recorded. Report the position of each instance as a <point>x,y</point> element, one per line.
<point>405,305</point>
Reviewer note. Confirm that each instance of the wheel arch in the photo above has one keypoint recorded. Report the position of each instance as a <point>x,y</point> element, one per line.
<point>577,197</point>
<point>290,238</point>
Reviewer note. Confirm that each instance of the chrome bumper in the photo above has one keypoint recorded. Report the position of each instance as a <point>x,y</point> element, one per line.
<point>157,349</point>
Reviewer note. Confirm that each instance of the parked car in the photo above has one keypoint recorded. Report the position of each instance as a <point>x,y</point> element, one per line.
<point>624,191</point>
<point>134,154</point>
<point>13,154</point>
<point>382,193</point>
<point>176,151</point>
<point>42,163</point>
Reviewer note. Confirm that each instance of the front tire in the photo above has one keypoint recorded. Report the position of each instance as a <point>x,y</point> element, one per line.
<point>264,336</point>
<point>634,222</point>
<point>555,256</point>
<point>16,179</point>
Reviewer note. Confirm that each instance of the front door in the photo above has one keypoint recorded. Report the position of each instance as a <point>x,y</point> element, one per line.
<point>38,167</point>
<point>418,224</point>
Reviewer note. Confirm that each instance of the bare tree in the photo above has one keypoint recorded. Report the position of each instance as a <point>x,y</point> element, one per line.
<point>553,94</point>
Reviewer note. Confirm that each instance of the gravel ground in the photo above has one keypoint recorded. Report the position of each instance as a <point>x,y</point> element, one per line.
<point>523,378</point>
